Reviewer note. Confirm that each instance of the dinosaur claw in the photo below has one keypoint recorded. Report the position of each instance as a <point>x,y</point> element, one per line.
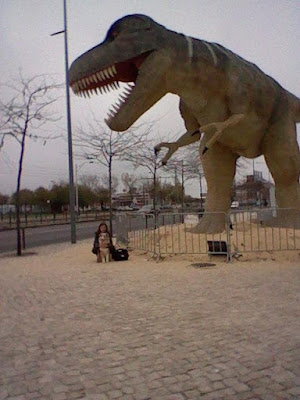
<point>204,150</point>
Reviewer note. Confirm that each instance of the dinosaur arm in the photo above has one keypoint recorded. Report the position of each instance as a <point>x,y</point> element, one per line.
<point>189,137</point>
<point>184,140</point>
<point>218,128</point>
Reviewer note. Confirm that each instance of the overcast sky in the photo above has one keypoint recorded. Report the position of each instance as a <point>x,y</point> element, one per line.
<point>265,32</point>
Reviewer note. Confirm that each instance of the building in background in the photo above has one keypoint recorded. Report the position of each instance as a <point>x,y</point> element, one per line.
<point>254,192</point>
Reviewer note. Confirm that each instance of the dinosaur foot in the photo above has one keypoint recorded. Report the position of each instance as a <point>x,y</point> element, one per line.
<point>209,223</point>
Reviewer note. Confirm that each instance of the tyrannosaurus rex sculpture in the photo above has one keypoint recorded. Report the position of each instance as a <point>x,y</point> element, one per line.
<point>240,110</point>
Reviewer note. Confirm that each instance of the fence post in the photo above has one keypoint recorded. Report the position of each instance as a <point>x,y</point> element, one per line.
<point>228,224</point>
<point>23,238</point>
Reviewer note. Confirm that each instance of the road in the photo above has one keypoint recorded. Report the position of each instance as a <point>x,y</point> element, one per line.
<point>47,235</point>
<point>40,236</point>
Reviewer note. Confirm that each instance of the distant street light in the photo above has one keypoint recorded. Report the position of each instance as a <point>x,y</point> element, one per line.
<point>70,149</point>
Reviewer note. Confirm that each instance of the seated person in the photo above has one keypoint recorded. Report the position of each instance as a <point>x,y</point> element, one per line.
<point>105,243</point>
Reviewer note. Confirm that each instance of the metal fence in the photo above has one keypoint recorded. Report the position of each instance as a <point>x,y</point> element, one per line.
<point>245,231</point>
<point>9,219</point>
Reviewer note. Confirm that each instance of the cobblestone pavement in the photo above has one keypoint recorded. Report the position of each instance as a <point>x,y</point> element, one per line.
<point>136,330</point>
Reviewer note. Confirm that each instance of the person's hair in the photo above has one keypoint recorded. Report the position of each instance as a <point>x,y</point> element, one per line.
<point>102,224</point>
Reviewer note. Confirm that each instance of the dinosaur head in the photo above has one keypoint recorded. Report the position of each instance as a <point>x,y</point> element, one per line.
<point>133,51</point>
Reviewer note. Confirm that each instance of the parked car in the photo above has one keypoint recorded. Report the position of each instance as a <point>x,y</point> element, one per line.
<point>124,208</point>
<point>235,204</point>
<point>148,209</point>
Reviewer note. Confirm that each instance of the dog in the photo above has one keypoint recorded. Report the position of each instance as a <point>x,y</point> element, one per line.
<point>104,253</point>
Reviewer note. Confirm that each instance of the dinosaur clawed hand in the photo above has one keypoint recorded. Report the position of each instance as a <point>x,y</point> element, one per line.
<point>172,148</point>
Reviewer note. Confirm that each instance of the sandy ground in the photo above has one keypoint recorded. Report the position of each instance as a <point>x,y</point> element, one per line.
<point>141,329</point>
<point>249,242</point>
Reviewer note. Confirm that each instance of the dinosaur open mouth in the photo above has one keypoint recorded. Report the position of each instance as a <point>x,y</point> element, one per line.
<point>106,79</point>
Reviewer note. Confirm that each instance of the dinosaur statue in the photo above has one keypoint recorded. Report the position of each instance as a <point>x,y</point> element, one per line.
<point>238,109</point>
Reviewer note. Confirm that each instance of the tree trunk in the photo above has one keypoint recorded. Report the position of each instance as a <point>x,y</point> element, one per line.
<point>110,195</point>
<point>154,197</point>
<point>201,192</point>
<point>18,205</point>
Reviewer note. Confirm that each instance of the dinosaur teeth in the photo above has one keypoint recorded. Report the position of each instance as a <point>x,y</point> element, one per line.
<point>84,83</point>
<point>114,109</point>
<point>106,73</point>
<point>75,88</point>
<point>111,114</point>
<point>110,71</point>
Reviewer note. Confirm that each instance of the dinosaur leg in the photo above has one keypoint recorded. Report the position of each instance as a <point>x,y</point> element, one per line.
<point>282,156</point>
<point>219,166</point>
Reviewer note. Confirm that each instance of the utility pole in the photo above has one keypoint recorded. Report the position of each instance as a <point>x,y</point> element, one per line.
<point>70,147</point>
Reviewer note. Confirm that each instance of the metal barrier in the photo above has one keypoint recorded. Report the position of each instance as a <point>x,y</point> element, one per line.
<point>265,230</point>
<point>245,231</point>
<point>141,232</point>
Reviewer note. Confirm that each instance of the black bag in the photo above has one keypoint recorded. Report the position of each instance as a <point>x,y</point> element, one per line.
<point>119,254</point>
<point>95,248</point>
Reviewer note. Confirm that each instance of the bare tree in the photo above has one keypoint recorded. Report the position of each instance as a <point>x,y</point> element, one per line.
<point>194,167</point>
<point>114,182</point>
<point>129,181</point>
<point>145,156</point>
<point>98,143</point>
<point>22,117</point>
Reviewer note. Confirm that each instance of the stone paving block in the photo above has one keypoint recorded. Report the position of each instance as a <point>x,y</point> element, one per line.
<point>3,393</point>
<point>112,333</point>
<point>60,396</point>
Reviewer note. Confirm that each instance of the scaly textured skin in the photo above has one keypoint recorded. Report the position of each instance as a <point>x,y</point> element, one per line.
<point>240,110</point>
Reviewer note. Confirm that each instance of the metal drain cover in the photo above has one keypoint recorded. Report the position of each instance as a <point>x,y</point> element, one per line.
<point>202,265</point>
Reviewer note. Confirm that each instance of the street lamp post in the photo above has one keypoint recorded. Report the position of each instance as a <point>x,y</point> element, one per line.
<point>70,149</point>
<point>76,193</point>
